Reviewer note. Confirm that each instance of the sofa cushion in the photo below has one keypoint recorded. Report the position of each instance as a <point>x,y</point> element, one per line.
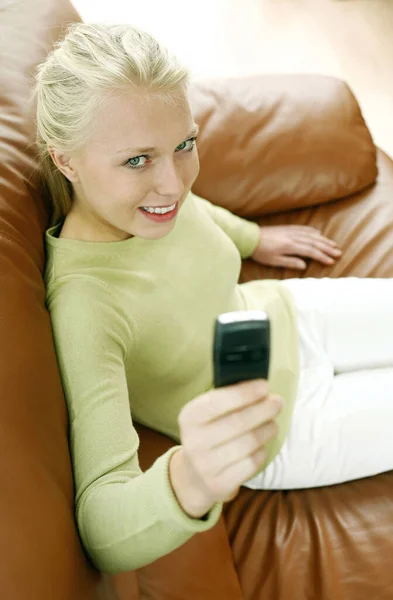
<point>278,142</point>
<point>330,543</point>
<point>362,226</point>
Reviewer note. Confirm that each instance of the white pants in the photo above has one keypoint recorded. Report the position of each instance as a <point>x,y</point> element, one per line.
<point>342,427</point>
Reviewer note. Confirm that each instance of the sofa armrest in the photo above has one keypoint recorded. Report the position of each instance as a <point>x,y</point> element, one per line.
<point>203,567</point>
<point>271,143</point>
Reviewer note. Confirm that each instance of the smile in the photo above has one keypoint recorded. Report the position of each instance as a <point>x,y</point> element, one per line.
<point>160,215</point>
<point>159,210</point>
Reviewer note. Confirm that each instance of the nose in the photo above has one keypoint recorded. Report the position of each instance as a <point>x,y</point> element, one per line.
<point>169,181</point>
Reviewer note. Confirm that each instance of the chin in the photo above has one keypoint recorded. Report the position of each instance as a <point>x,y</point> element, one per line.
<point>154,235</point>
<point>155,231</point>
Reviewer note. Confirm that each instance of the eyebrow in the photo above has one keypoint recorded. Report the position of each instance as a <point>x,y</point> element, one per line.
<point>192,133</point>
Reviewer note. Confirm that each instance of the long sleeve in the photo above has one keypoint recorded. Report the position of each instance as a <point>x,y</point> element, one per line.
<point>133,324</point>
<point>126,518</point>
<point>244,234</point>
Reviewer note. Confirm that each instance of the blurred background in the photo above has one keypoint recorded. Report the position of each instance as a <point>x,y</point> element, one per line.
<point>350,39</point>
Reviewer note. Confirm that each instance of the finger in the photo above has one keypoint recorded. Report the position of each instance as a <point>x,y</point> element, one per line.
<point>314,253</point>
<point>307,232</point>
<point>289,262</point>
<point>238,448</point>
<point>326,241</point>
<point>241,422</point>
<point>320,244</point>
<point>243,470</point>
<point>328,249</point>
<point>233,495</point>
<point>220,401</point>
<point>321,238</point>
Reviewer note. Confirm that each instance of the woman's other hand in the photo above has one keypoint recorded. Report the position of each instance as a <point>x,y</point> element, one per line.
<point>284,245</point>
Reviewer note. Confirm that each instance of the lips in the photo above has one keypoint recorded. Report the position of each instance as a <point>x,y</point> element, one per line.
<point>160,217</point>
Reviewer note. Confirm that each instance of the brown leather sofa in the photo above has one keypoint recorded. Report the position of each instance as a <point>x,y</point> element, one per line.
<point>275,150</point>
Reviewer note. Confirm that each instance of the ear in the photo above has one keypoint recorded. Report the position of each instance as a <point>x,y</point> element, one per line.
<point>65,164</point>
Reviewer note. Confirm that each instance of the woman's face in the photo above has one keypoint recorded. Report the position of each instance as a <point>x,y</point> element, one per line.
<point>141,153</point>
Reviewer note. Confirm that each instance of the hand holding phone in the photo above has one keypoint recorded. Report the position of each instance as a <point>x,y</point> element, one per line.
<point>220,451</point>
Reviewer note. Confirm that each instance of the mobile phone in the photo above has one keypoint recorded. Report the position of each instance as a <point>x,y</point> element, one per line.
<point>241,348</point>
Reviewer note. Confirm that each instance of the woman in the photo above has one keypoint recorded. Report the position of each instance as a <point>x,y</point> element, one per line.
<point>133,293</point>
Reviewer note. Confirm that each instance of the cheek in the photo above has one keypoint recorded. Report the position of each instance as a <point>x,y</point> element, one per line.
<point>130,190</point>
<point>191,168</point>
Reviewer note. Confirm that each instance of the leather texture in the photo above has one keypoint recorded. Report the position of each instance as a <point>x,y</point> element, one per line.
<point>275,149</point>
<point>271,143</point>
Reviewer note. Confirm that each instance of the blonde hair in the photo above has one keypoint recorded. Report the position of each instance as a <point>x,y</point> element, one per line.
<point>91,61</point>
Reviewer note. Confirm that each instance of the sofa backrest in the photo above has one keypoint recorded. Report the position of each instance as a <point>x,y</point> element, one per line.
<point>271,143</point>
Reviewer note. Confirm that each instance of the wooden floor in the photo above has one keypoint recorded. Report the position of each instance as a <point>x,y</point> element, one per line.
<point>351,39</point>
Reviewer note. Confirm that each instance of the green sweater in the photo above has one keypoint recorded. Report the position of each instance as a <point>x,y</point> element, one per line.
<point>133,324</point>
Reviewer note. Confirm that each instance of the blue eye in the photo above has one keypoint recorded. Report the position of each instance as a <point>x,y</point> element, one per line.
<point>135,163</point>
<point>183,146</point>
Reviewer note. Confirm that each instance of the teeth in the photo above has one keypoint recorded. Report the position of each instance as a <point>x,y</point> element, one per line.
<point>159,211</point>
